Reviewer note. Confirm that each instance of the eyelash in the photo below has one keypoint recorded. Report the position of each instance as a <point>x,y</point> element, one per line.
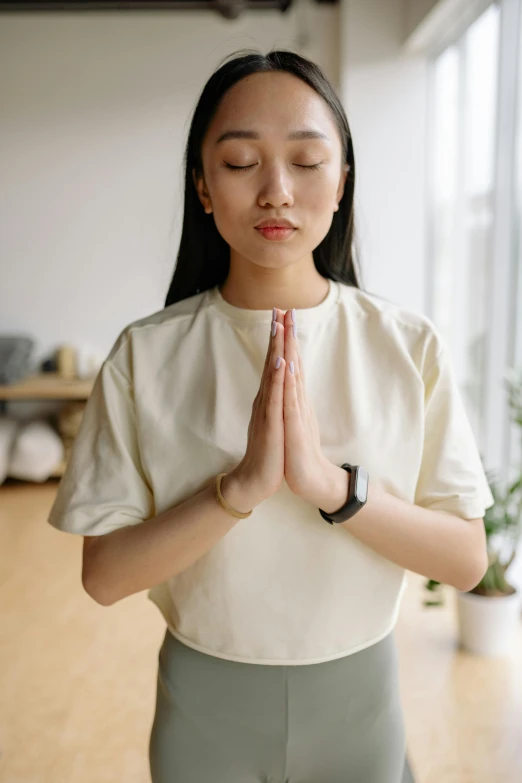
<point>244,168</point>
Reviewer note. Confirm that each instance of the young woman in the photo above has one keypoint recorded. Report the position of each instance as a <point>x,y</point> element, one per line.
<point>270,453</point>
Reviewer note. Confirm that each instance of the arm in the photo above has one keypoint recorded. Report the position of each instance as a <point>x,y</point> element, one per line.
<point>136,557</point>
<point>436,544</point>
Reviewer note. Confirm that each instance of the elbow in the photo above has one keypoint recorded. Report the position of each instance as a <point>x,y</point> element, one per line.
<point>93,581</point>
<point>476,563</point>
<point>474,575</point>
<point>94,592</point>
<point>94,588</point>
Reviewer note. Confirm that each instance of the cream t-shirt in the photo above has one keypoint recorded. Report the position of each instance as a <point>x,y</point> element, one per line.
<point>170,409</point>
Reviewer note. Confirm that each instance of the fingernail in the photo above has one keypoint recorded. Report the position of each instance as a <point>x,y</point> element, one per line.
<point>292,367</point>
<point>278,363</point>
<point>294,330</point>
<point>274,328</point>
<point>274,313</point>
<point>293,315</point>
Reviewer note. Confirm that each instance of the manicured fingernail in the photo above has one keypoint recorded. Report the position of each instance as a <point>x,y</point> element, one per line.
<point>292,367</point>
<point>294,330</point>
<point>278,363</point>
<point>274,328</point>
<point>274,313</point>
<point>293,315</point>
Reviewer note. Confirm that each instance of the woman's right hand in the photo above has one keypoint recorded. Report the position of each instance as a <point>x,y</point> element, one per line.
<point>262,468</point>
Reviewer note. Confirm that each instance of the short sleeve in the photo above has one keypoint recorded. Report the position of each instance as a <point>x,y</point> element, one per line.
<point>104,486</point>
<point>451,476</point>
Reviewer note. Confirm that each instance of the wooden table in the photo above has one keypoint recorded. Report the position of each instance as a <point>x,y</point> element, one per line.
<point>47,386</point>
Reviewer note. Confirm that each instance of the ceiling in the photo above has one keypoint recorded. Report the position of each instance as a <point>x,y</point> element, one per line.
<point>229,9</point>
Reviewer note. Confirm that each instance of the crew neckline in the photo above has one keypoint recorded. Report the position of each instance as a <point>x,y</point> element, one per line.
<point>304,315</point>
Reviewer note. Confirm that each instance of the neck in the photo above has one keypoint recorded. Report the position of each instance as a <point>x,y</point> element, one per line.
<point>259,288</point>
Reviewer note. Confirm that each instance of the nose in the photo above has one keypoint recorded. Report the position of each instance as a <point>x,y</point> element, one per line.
<point>276,187</point>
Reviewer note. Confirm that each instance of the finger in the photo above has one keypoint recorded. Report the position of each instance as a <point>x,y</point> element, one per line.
<point>278,316</point>
<point>301,376</point>
<point>302,379</point>
<point>292,355</point>
<point>291,414</point>
<point>277,349</point>
<point>301,385</point>
<point>274,399</point>
<point>268,357</point>
<point>301,388</point>
<point>270,345</point>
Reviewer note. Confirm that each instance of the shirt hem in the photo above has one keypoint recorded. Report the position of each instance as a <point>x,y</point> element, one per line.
<point>157,596</point>
<point>463,510</point>
<point>282,661</point>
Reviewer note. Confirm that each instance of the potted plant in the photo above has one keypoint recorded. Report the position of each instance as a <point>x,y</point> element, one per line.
<point>489,614</point>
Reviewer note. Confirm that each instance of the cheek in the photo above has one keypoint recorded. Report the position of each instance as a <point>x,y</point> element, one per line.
<point>229,198</point>
<point>319,193</point>
<point>231,208</point>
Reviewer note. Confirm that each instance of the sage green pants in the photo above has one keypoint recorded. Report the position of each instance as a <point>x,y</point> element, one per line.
<point>220,721</point>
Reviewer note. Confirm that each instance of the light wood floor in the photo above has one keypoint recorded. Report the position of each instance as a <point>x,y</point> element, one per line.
<point>77,682</point>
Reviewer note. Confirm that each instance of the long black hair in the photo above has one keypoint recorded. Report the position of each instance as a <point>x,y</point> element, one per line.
<point>204,257</point>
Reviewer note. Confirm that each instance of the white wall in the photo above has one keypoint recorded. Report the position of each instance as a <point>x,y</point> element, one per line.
<point>384,94</point>
<point>95,112</point>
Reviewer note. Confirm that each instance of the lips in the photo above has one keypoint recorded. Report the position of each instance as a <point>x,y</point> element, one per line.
<point>271,223</point>
<point>276,233</point>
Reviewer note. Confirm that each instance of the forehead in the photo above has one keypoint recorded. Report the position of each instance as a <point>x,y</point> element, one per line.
<point>271,103</point>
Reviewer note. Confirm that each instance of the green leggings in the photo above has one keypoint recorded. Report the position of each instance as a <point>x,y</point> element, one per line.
<point>221,721</point>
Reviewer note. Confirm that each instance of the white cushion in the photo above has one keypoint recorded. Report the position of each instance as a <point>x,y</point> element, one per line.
<point>36,453</point>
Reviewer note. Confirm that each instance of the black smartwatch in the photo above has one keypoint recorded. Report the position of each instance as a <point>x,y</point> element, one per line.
<point>357,495</point>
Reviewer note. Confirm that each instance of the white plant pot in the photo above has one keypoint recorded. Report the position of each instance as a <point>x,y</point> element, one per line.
<point>488,625</point>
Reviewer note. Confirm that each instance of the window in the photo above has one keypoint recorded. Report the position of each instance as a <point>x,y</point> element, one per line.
<point>475,195</point>
<point>464,99</point>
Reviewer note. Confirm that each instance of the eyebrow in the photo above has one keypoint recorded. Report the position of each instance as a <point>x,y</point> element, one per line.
<point>247,134</point>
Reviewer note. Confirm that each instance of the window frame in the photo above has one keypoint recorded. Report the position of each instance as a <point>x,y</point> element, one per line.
<point>499,441</point>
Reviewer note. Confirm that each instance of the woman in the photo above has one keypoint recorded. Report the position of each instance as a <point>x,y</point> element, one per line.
<point>224,454</point>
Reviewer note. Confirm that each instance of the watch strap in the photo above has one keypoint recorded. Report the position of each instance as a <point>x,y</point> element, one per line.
<point>352,504</point>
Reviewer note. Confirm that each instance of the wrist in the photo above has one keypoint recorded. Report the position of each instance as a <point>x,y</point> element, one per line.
<point>239,492</point>
<point>334,489</point>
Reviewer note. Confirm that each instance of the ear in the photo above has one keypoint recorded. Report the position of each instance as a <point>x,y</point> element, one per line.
<point>201,189</point>
<point>340,189</point>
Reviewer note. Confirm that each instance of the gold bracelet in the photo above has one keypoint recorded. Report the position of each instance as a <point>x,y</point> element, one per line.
<point>223,502</point>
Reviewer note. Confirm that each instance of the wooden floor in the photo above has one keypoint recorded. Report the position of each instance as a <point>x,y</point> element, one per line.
<point>77,682</point>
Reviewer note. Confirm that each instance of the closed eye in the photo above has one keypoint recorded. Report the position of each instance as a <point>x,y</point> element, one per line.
<point>244,168</point>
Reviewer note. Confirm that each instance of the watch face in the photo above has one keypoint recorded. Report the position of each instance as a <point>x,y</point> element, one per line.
<point>361,485</point>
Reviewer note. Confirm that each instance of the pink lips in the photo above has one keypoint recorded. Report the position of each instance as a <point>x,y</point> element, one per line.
<point>276,232</point>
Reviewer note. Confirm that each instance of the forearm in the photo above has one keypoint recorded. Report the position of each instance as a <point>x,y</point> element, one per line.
<point>136,557</point>
<point>437,545</point>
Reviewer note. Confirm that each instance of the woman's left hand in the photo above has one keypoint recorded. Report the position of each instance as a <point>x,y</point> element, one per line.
<point>306,467</point>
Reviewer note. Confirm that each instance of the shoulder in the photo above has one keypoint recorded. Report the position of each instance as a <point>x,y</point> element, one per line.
<point>158,326</point>
<point>370,305</point>
<point>393,325</point>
